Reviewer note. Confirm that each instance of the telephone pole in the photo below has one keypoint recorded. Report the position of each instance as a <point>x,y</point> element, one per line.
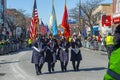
<point>3,3</point>
<point>79,15</point>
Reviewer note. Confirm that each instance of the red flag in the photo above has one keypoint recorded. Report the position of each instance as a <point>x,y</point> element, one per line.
<point>34,22</point>
<point>65,24</point>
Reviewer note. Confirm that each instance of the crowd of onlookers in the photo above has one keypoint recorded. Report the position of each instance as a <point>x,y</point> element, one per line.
<point>11,45</point>
<point>94,42</point>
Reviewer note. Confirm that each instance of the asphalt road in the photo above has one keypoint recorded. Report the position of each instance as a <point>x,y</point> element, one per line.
<point>17,66</point>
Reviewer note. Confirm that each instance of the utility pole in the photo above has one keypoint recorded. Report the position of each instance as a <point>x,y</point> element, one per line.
<point>79,15</point>
<point>3,4</point>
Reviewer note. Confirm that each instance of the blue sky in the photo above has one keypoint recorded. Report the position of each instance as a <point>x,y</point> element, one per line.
<point>44,7</point>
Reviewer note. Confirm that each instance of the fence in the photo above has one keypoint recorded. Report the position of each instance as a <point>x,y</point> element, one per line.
<point>11,47</point>
<point>7,48</point>
<point>97,46</point>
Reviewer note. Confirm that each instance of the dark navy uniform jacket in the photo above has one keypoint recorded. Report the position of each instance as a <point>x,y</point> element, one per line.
<point>75,51</point>
<point>50,52</point>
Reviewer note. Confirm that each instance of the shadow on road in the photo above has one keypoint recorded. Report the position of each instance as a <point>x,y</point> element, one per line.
<point>86,69</point>
<point>2,74</point>
<point>93,69</point>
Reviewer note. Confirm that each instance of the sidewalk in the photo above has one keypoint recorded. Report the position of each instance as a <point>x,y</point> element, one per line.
<point>96,51</point>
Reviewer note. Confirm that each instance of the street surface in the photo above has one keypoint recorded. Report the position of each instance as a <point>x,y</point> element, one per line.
<point>17,66</point>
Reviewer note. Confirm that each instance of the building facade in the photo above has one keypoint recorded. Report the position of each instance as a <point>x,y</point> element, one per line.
<point>116,12</point>
<point>104,13</point>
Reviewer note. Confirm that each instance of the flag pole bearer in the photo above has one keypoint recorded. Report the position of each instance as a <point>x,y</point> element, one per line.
<point>38,52</point>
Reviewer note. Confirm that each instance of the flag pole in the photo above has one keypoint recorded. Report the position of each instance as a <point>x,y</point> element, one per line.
<point>65,2</point>
<point>79,24</point>
<point>52,2</point>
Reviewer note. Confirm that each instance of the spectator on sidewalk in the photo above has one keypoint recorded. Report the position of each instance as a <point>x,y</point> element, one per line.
<point>30,42</point>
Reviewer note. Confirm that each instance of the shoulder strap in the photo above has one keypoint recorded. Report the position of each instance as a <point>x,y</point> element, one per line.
<point>36,49</point>
<point>113,74</point>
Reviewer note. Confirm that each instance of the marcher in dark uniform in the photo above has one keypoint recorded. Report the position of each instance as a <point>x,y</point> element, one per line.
<point>37,57</point>
<point>54,49</point>
<point>63,54</point>
<point>76,52</point>
<point>51,55</point>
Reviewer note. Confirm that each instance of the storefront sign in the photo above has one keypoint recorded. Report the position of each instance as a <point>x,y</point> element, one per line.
<point>106,20</point>
<point>116,20</point>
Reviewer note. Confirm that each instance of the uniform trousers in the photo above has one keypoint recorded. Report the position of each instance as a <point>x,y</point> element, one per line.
<point>38,68</point>
<point>64,66</point>
<point>51,66</point>
<point>76,66</point>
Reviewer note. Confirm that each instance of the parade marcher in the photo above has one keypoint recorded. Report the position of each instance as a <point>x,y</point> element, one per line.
<point>37,57</point>
<point>109,44</point>
<point>113,71</point>
<point>51,55</point>
<point>63,54</point>
<point>49,38</point>
<point>76,52</point>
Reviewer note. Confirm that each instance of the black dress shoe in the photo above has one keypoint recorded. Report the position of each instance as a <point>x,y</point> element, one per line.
<point>62,70</point>
<point>65,69</point>
<point>53,69</point>
<point>49,71</point>
<point>77,69</point>
<point>38,73</point>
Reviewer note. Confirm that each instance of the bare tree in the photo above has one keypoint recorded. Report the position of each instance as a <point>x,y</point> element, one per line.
<point>73,13</point>
<point>87,9</point>
<point>16,18</point>
<point>11,23</point>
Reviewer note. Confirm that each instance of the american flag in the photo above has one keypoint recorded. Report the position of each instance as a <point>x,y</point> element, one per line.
<point>34,22</point>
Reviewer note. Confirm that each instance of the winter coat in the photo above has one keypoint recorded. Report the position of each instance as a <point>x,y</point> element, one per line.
<point>37,56</point>
<point>76,54</point>
<point>63,55</point>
